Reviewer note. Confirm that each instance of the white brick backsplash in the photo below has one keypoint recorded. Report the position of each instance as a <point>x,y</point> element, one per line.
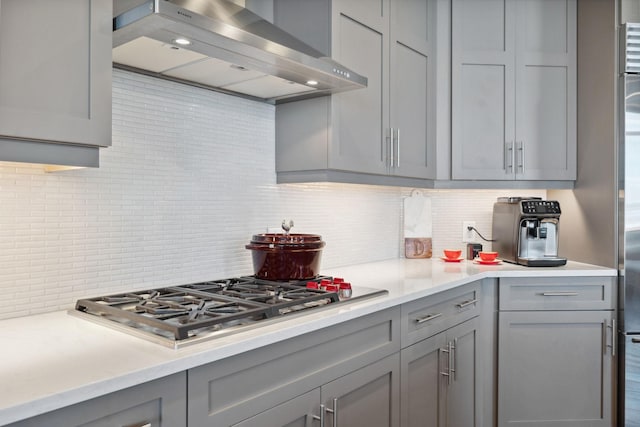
<point>189,178</point>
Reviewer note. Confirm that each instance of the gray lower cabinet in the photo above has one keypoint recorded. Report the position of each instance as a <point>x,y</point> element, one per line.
<point>442,355</point>
<point>555,369</point>
<point>55,80</point>
<point>430,363</point>
<point>159,403</point>
<point>440,379</point>
<point>368,397</point>
<point>513,90</point>
<point>349,371</point>
<point>556,352</point>
<point>372,135</point>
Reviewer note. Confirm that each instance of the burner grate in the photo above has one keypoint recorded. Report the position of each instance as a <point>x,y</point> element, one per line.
<point>183,311</point>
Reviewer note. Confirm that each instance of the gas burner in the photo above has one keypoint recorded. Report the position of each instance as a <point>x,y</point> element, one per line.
<point>182,313</point>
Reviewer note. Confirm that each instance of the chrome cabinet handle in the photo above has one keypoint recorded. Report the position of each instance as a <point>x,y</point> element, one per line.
<point>520,149</point>
<point>635,340</point>
<point>446,373</point>
<point>143,424</point>
<point>386,143</point>
<point>611,326</point>
<point>321,417</point>
<point>453,358</point>
<point>467,303</point>
<point>508,157</point>
<point>559,294</point>
<point>398,148</point>
<point>391,159</point>
<point>334,411</point>
<point>420,320</point>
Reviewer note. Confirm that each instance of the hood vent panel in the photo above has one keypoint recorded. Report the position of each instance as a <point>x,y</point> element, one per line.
<point>230,49</point>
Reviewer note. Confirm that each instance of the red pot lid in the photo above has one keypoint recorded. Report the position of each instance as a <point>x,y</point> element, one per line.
<point>280,240</point>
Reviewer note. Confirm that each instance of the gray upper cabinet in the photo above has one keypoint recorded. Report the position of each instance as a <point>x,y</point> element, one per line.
<point>514,90</point>
<point>371,135</point>
<point>360,119</point>
<point>55,80</point>
<point>412,73</point>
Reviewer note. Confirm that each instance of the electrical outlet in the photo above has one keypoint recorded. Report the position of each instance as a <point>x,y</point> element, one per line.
<point>468,236</point>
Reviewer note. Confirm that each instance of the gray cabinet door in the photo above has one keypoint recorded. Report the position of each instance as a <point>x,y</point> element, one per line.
<point>440,380</point>
<point>423,385</point>
<point>387,129</point>
<point>412,102</point>
<point>359,118</point>
<point>555,369</point>
<point>463,402</point>
<point>159,403</point>
<point>514,89</point>
<point>546,84</point>
<point>55,71</point>
<point>482,89</point>
<point>298,412</point>
<point>368,397</point>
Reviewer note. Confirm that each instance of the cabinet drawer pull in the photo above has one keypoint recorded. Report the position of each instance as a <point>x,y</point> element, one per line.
<point>143,424</point>
<point>467,303</point>
<point>635,340</point>
<point>559,294</point>
<point>420,320</point>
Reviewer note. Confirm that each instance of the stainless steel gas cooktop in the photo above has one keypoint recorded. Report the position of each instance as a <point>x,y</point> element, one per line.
<point>187,314</point>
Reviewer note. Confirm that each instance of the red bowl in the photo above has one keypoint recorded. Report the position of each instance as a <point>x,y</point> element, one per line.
<point>286,256</point>
<point>488,256</point>
<point>452,253</point>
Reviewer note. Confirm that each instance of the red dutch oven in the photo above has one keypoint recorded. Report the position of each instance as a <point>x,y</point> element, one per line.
<point>286,256</point>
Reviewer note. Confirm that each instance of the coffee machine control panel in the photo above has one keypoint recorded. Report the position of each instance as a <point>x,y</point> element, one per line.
<point>540,207</point>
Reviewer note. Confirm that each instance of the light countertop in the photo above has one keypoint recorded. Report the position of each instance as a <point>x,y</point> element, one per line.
<point>54,360</point>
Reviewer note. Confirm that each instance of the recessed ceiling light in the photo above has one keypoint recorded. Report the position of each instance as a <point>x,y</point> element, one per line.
<point>312,82</point>
<point>182,41</point>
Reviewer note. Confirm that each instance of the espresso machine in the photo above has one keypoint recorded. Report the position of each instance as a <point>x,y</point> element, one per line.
<point>525,231</point>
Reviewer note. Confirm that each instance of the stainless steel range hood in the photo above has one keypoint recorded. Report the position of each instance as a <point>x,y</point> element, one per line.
<point>218,44</point>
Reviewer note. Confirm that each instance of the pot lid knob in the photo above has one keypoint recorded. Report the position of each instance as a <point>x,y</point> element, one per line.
<point>287,226</point>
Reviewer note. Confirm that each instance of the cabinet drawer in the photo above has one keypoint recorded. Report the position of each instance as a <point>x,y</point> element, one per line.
<point>428,316</point>
<point>557,293</point>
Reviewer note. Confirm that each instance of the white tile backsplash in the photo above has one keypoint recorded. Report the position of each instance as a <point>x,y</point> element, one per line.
<point>189,178</point>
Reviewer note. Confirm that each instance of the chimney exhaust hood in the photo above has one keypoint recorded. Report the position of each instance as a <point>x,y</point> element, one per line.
<point>218,44</point>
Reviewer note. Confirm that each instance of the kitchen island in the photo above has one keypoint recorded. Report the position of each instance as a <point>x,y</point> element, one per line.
<point>55,360</point>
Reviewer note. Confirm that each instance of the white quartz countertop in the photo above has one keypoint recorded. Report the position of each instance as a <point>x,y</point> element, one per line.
<point>54,360</point>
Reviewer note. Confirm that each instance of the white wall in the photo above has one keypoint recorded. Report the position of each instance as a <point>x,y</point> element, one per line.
<point>189,178</point>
